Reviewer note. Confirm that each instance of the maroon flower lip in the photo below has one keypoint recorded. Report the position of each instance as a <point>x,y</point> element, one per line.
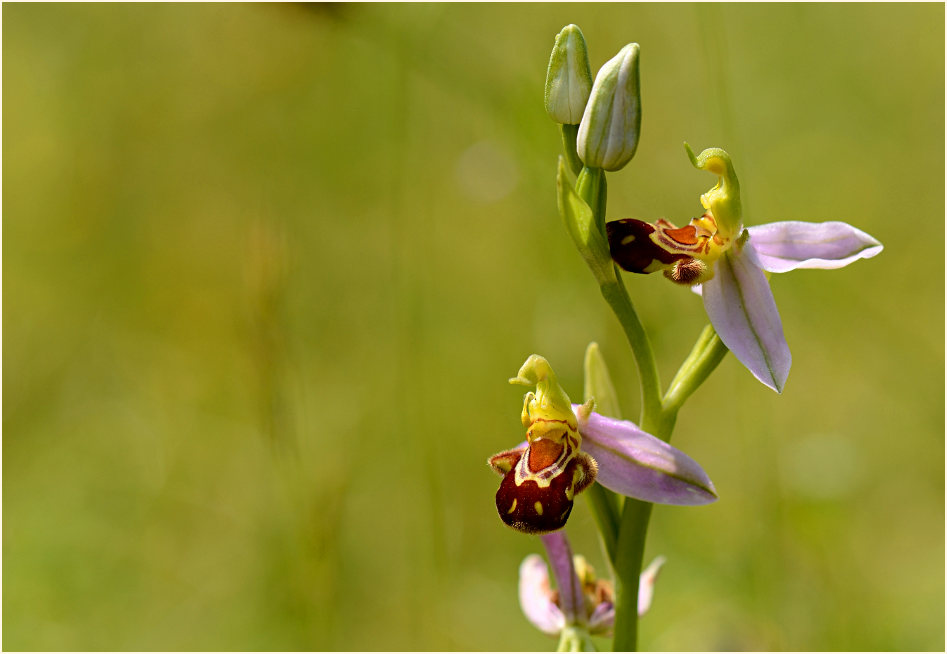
<point>537,492</point>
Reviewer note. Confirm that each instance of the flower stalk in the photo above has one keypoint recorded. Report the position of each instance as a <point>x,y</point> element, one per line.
<point>628,539</point>
<point>625,545</point>
<point>624,468</point>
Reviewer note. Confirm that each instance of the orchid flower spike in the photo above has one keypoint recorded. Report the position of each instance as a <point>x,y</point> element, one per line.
<point>542,476</point>
<point>727,264</point>
<point>580,600</point>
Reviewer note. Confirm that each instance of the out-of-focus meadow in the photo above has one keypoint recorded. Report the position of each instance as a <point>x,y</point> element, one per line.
<point>267,269</point>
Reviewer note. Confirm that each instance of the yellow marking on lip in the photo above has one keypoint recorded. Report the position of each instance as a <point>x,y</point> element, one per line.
<point>538,506</point>
<point>628,239</point>
<point>512,506</point>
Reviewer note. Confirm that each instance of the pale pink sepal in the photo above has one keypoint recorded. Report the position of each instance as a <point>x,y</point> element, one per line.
<point>784,246</point>
<point>536,596</point>
<point>636,464</point>
<point>741,308</point>
<point>646,584</point>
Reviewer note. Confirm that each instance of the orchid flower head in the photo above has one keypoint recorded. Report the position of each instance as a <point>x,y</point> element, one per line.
<point>568,446</point>
<point>580,598</point>
<point>727,264</point>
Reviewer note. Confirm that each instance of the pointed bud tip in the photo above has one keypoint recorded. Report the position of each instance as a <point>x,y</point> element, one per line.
<point>608,133</point>
<point>568,77</point>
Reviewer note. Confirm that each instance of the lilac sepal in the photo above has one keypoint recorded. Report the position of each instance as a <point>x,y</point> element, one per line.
<point>535,598</point>
<point>785,246</point>
<point>636,464</point>
<point>563,569</point>
<point>741,308</point>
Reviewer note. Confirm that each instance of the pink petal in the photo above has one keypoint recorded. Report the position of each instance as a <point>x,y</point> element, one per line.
<point>646,584</point>
<point>636,464</point>
<point>741,308</point>
<point>535,597</point>
<point>785,246</point>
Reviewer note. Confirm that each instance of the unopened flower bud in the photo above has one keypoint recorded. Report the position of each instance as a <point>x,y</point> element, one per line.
<point>608,133</point>
<point>568,78</point>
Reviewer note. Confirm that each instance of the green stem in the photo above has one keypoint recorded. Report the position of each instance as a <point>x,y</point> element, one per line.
<point>705,336</point>
<point>617,298</point>
<point>591,187</point>
<point>629,554</point>
<point>628,549</point>
<point>628,559</point>
<point>569,135</point>
<point>574,638</point>
<point>709,351</point>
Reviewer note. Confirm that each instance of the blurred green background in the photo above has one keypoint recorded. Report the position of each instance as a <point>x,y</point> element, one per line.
<point>267,269</point>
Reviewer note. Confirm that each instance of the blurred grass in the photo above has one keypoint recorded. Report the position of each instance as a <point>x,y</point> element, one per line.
<point>268,268</point>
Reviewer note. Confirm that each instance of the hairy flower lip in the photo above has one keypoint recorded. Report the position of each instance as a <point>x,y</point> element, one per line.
<point>634,463</point>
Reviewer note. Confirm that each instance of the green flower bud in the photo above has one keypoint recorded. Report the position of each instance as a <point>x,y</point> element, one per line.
<point>608,133</point>
<point>568,78</point>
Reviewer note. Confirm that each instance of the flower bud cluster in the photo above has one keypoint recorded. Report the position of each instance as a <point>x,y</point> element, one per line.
<point>608,111</point>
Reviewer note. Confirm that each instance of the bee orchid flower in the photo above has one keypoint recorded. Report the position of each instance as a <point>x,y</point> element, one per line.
<point>568,447</point>
<point>728,264</point>
<point>580,601</point>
